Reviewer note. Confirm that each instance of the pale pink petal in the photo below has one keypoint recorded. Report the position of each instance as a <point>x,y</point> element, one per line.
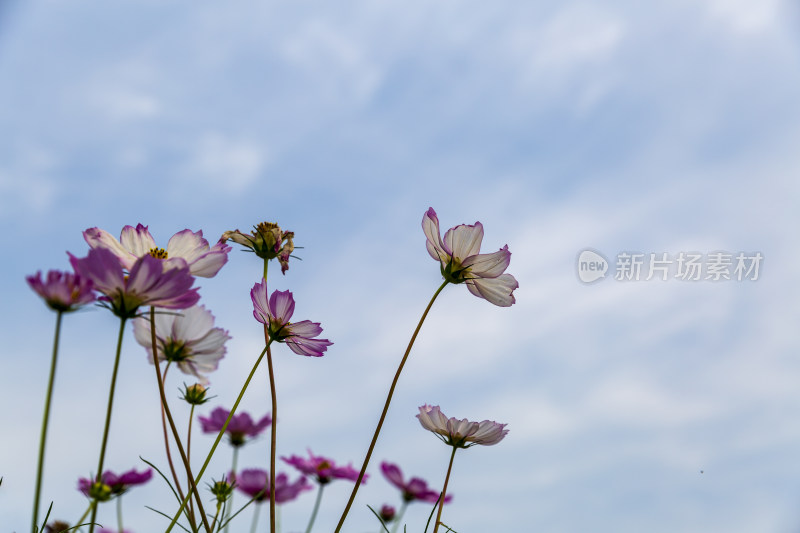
<point>430,226</point>
<point>138,240</point>
<point>193,323</point>
<point>464,240</point>
<point>498,291</point>
<point>308,347</point>
<point>393,474</point>
<point>489,265</point>
<point>281,305</point>
<point>98,238</point>
<point>258,294</point>
<point>305,328</point>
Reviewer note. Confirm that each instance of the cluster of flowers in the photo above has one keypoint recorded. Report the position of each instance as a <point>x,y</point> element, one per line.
<point>131,274</point>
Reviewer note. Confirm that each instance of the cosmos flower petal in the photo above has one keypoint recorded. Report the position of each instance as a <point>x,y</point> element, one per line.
<point>137,241</point>
<point>460,433</point>
<point>305,328</point>
<point>489,265</point>
<point>308,347</point>
<point>281,305</point>
<point>98,238</point>
<point>204,261</point>
<point>430,226</point>
<point>499,290</point>
<point>464,240</point>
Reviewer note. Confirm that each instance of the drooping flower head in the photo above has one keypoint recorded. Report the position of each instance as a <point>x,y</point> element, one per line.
<point>188,339</point>
<point>203,260</point>
<point>62,291</point>
<point>255,483</point>
<point>460,433</point>
<point>240,428</point>
<point>275,312</point>
<point>415,489</point>
<point>112,485</point>
<point>460,260</point>
<point>147,283</point>
<point>323,469</point>
<point>268,242</point>
<point>387,513</point>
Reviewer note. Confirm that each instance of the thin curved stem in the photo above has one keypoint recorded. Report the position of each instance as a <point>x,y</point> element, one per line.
<point>45,421</point>
<point>386,409</point>
<point>170,462</point>
<point>399,517</point>
<point>216,442</point>
<point>119,514</point>
<point>443,495</point>
<point>188,448</point>
<point>316,508</point>
<point>255,519</point>
<point>174,429</point>
<point>229,506</point>
<point>108,416</point>
<point>273,437</point>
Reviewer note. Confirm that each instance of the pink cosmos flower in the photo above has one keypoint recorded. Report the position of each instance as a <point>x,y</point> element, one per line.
<point>148,282</point>
<point>323,469</point>
<point>460,433</point>
<point>255,483</point>
<point>461,262</point>
<point>203,260</point>
<point>62,291</point>
<point>188,339</point>
<point>240,427</point>
<point>115,485</point>
<point>415,489</point>
<point>275,314</point>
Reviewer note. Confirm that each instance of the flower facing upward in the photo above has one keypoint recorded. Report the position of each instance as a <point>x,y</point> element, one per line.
<point>62,291</point>
<point>240,427</point>
<point>267,240</point>
<point>461,262</point>
<point>323,469</point>
<point>203,260</point>
<point>255,483</point>
<point>275,313</point>
<point>112,485</point>
<point>188,339</point>
<point>415,489</point>
<point>147,283</point>
<point>460,433</point>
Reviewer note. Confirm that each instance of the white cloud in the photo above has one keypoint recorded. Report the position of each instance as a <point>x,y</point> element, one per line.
<point>224,164</point>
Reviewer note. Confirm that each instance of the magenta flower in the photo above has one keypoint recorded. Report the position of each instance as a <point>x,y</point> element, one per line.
<point>461,262</point>
<point>149,282</point>
<point>188,339</point>
<point>113,485</point>
<point>240,427</point>
<point>460,433</point>
<point>62,291</point>
<point>387,513</point>
<point>203,260</point>
<point>255,483</point>
<point>323,469</point>
<point>275,314</point>
<point>415,489</point>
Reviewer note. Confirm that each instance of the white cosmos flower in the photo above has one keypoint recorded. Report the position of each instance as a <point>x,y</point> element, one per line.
<point>188,339</point>
<point>460,433</point>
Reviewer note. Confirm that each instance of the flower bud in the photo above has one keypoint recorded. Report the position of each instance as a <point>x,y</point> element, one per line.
<point>222,490</point>
<point>387,513</point>
<point>195,394</point>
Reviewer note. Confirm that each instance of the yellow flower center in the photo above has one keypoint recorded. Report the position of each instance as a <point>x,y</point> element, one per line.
<point>158,253</point>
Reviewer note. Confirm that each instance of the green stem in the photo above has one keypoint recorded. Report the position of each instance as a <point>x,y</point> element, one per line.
<point>444,492</point>
<point>234,462</point>
<point>86,513</point>
<point>178,489</point>
<point>273,438</point>
<point>188,448</point>
<point>45,420</point>
<point>386,409</point>
<point>399,517</point>
<point>316,508</point>
<point>108,415</point>
<point>255,519</point>
<point>216,442</point>
<point>119,514</point>
<point>192,487</point>
<point>266,265</point>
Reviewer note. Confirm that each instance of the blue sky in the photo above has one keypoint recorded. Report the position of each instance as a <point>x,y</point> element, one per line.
<point>559,125</point>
